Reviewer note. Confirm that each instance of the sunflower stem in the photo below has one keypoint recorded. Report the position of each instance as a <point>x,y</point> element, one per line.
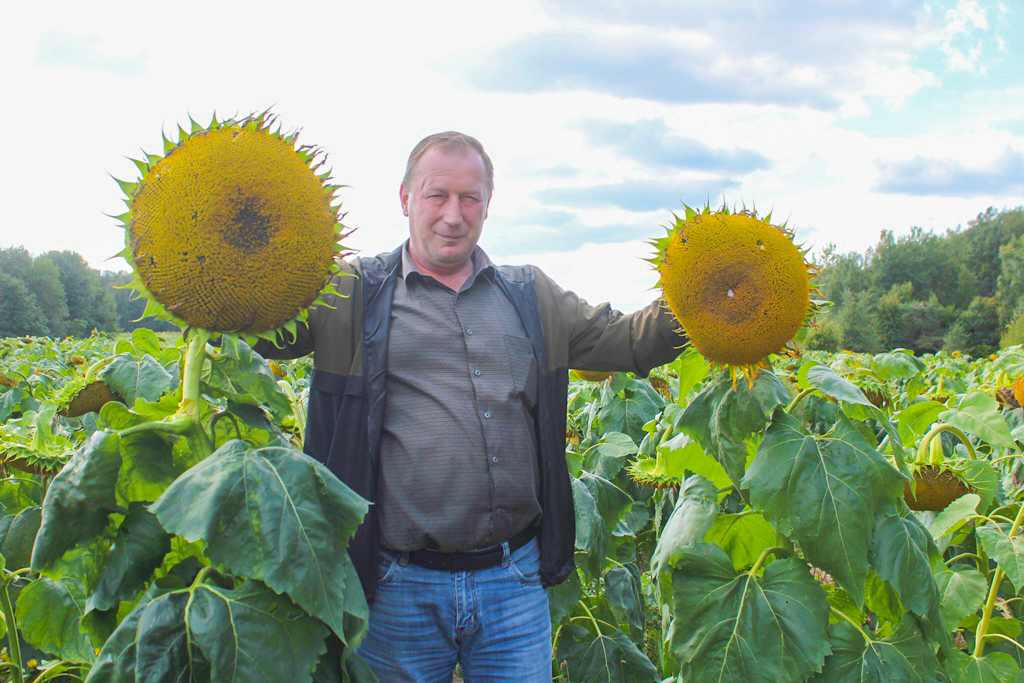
<point>191,398</point>
<point>13,640</point>
<point>993,592</point>
<point>799,397</point>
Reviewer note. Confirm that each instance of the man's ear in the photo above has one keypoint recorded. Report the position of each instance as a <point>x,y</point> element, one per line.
<point>403,197</point>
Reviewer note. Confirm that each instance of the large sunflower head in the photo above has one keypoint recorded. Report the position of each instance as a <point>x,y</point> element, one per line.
<point>738,285</point>
<point>233,229</point>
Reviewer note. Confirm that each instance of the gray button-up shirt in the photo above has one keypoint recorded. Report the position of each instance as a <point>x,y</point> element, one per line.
<point>458,458</point>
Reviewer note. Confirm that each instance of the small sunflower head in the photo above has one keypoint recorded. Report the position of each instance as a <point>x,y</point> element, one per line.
<point>593,375</point>
<point>738,285</point>
<point>233,230</point>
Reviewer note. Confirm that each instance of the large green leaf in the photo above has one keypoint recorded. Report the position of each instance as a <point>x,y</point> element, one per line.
<point>995,667</point>
<point>253,634</point>
<point>721,417</point>
<point>116,661</point>
<point>905,657</point>
<point>692,516</point>
<point>902,552</point>
<point>978,415</point>
<point>622,587</point>
<point>915,419</point>
<point>274,514</point>
<point>563,597</point>
<point>599,505</point>
<point>1008,552</point>
<point>242,375</point>
<point>638,405</point>
<point>824,491</point>
<point>962,592</point>
<point>17,535</point>
<point>48,613</point>
<point>730,626</point>
<point>605,658</point>
<point>829,383</point>
<point>897,365</point>
<point>609,455</point>
<point>681,454</point>
<point>138,549</point>
<point>162,652</point>
<point>147,468</point>
<point>743,536</point>
<point>143,379</point>
<point>691,368</point>
<point>79,500</point>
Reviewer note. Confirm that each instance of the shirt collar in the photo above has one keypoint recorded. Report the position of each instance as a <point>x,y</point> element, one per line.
<point>482,265</point>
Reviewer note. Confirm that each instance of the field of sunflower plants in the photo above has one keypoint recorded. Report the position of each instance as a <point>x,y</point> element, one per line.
<point>747,531</point>
<point>740,516</point>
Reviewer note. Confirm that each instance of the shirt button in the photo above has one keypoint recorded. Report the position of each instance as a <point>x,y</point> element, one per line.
<point>469,331</point>
<point>487,413</point>
<point>494,458</point>
<point>476,372</point>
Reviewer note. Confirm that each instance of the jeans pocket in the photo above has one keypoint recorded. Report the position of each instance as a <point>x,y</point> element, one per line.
<point>525,564</point>
<point>387,569</point>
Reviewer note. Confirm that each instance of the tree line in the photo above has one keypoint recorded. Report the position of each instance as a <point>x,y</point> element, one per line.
<point>961,290</point>
<point>57,294</point>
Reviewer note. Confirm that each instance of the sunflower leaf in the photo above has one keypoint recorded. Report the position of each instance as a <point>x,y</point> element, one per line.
<point>730,626</point>
<point>905,656</point>
<point>721,417</point>
<point>48,613</point>
<point>978,415</point>
<point>274,514</point>
<point>848,480</point>
<point>79,500</point>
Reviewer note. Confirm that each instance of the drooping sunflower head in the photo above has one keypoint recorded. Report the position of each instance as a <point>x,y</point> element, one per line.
<point>233,229</point>
<point>738,285</point>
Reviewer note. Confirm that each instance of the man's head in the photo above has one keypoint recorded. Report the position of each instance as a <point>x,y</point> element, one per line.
<point>450,142</point>
<point>445,194</point>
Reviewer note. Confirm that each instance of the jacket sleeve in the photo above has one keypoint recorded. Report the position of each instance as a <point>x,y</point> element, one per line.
<point>586,337</point>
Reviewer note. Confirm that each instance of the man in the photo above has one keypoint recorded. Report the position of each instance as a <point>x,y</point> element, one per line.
<point>439,394</point>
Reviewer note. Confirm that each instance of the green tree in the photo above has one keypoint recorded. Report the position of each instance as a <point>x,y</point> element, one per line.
<point>923,259</point>
<point>977,329</point>
<point>857,323</point>
<point>40,275</point>
<point>1010,283</point>
<point>841,274</point>
<point>979,245</point>
<point>19,311</point>
<point>90,305</point>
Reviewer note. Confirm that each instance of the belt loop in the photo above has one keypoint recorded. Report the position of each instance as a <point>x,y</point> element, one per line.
<point>506,555</point>
<point>403,559</point>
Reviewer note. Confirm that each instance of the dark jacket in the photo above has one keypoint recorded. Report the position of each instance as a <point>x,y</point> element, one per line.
<point>346,401</point>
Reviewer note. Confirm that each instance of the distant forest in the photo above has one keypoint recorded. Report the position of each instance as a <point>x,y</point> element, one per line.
<point>961,290</point>
<point>57,294</point>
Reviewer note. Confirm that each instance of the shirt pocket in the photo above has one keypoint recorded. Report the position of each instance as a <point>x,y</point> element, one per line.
<point>522,366</point>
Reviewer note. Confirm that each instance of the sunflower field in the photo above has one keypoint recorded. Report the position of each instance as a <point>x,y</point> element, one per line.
<point>744,514</point>
<point>764,531</point>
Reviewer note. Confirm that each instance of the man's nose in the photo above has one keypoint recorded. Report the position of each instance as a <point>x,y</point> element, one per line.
<point>452,213</point>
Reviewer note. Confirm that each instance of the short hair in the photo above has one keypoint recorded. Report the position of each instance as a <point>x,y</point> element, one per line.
<point>447,142</point>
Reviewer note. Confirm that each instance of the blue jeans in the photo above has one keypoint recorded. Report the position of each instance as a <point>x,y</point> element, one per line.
<point>494,622</point>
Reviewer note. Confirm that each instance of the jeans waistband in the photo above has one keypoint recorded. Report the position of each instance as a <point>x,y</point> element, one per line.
<point>483,558</point>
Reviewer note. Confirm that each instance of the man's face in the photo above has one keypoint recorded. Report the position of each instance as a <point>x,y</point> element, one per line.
<point>446,203</point>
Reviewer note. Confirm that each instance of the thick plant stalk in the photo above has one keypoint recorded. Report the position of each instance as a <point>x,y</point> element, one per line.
<point>997,578</point>
<point>17,676</point>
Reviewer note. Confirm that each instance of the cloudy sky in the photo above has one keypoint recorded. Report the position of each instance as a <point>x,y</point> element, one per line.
<point>841,117</point>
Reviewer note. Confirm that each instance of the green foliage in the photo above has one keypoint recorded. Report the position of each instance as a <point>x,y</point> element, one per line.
<point>20,313</point>
<point>90,306</point>
<point>976,331</point>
